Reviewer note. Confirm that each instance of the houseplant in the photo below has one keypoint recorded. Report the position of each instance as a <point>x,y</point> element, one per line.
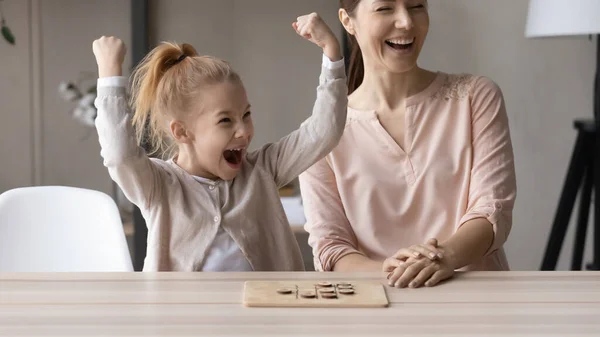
<point>6,32</point>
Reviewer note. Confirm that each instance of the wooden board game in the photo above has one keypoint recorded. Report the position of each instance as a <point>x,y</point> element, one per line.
<point>323,294</point>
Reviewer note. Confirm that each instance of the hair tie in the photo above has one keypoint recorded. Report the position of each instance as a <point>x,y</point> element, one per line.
<point>183,56</point>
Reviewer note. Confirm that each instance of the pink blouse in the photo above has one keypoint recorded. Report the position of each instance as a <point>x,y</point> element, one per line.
<point>370,196</point>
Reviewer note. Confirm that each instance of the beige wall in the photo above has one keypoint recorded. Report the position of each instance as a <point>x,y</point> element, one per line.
<point>546,84</point>
<point>39,142</point>
<point>16,152</point>
<point>68,28</point>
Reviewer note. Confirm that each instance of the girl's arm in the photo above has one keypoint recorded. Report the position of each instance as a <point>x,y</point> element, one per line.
<point>127,163</point>
<point>321,132</point>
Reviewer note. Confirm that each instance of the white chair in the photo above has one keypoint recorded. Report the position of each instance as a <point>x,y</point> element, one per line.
<point>57,228</point>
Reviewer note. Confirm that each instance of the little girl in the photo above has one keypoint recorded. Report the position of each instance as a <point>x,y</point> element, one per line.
<point>211,206</point>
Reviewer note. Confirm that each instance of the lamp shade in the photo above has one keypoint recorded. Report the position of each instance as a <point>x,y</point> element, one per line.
<point>562,18</point>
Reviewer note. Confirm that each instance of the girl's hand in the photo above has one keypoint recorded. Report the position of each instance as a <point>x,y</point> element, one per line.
<point>110,54</point>
<point>315,30</point>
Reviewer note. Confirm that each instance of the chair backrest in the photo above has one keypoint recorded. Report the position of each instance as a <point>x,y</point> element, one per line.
<point>57,228</point>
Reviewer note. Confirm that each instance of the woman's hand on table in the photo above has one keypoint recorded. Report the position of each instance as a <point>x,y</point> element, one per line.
<point>428,250</point>
<point>418,265</point>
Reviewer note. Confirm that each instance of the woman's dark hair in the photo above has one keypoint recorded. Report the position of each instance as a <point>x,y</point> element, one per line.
<point>356,68</point>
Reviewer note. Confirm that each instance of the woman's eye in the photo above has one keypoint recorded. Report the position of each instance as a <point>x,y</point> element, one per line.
<point>247,114</point>
<point>383,9</point>
<point>225,120</point>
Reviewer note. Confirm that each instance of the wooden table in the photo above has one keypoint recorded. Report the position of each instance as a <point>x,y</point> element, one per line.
<point>195,304</point>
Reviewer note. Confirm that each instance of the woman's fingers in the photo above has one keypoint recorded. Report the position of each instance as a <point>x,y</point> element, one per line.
<point>409,273</point>
<point>398,272</point>
<point>423,276</point>
<point>438,277</point>
<point>405,253</point>
<point>429,251</point>
<point>391,263</point>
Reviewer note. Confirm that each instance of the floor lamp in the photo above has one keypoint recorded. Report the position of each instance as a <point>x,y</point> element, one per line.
<point>553,18</point>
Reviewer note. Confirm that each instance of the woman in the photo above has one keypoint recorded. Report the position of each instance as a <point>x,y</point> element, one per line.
<point>422,182</point>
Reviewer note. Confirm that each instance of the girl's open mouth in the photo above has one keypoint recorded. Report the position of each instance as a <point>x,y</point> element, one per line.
<point>233,157</point>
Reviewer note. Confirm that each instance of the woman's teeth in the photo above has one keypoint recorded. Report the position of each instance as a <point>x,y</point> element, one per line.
<point>401,42</point>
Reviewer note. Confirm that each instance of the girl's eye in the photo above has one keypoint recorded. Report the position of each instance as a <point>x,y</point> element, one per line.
<point>225,120</point>
<point>247,114</point>
<point>383,9</point>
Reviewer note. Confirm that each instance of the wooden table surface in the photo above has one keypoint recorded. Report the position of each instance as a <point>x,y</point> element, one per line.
<point>196,304</point>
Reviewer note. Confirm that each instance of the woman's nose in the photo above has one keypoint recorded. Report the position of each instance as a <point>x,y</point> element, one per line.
<point>403,19</point>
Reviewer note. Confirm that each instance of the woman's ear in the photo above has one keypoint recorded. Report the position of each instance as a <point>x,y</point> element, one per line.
<point>346,21</point>
<point>179,132</point>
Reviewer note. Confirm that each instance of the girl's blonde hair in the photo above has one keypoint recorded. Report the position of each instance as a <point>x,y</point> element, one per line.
<point>164,86</point>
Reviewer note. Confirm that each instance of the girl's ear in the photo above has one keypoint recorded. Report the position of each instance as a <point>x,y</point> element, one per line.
<point>180,133</point>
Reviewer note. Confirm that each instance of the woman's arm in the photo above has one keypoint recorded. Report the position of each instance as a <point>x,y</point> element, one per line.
<point>469,244</point>
<point>357,262</point>
<point>492,191</point>
<point>334,244</point>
